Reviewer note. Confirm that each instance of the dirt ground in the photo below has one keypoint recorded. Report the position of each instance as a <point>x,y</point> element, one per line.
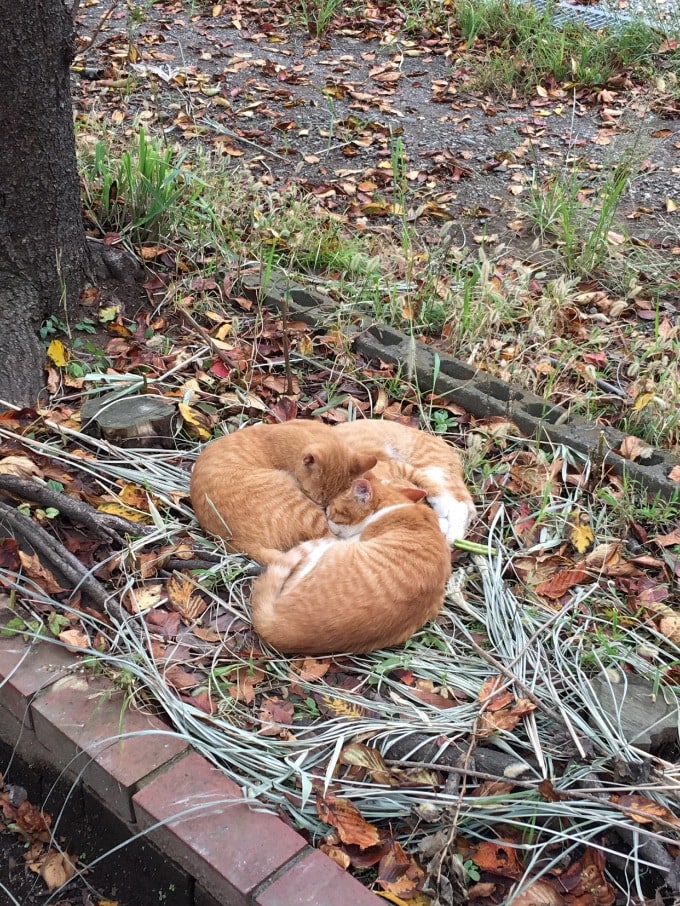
<point>325,114</point>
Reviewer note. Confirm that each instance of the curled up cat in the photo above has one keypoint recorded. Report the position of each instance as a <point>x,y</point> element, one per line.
<point>263,488</point>
<point>380,577</point>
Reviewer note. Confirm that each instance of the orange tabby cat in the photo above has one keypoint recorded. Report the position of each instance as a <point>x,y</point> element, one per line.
<point>421,458</point>
<point>263,488</point>
<point>373,589</point>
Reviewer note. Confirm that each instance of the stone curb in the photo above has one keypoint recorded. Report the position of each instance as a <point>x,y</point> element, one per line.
<point>479,393</point>
<point>63,723</point>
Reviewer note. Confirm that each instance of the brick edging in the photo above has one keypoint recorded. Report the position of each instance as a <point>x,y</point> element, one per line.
<point>54,714</point>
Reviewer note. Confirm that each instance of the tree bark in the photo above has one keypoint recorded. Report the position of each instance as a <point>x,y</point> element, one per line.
<point>44,259</point>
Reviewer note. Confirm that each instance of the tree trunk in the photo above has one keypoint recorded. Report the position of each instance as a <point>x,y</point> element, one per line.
<point>44,260</point>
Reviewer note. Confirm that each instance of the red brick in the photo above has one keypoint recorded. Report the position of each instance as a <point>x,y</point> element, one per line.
<point>316,880</point>
<point>27,669</point>
<point>88,727</point>
<point>226,846</point>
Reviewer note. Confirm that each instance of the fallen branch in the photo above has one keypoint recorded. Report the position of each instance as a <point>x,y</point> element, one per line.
<point>103,525</point>
<point>60,560</point>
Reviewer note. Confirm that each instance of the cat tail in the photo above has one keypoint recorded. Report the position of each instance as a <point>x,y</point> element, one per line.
<point>267,590</point>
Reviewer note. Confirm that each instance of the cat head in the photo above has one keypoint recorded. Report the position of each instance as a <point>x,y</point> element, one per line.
<point>348,512</point>
<point>329,468</point>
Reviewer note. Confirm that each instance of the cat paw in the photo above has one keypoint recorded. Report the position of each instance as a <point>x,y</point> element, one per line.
<point>454,515</point>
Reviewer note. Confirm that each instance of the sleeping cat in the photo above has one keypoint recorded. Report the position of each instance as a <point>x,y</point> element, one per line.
<point>421,458</point>
<point>264,488</point>
<point>255,489</point>
<point>372,586</point>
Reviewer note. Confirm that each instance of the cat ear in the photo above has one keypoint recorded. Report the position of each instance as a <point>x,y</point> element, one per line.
<point>362,490</point>
<point>414,494</point>
<point>364,463</point>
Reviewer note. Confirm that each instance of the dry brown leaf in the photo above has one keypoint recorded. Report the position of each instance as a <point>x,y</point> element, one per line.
<point>56,869</point>
<point>399,873</point>
<point>668,540</point>
<point>181,596</point>
<point>143,597</point>
<point>634,448</point>
<point>246,678</point>
<point>644,810</point>
<point>674,473</point>
<point>19,466</point>
<point>540,893</point>
<point>495,700</point>
<point>347,819</point>
<point>561,582</point>
<point>42,576</point>
<point>309,669</point>
<point>360,755</point>
<point>337,854</point>
<point>75,639</point>
<point>497,858</point>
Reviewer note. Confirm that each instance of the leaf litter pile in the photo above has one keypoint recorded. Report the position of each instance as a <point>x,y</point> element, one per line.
<point>521,748</point>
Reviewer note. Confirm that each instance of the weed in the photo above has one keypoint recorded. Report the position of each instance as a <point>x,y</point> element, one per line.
<point>526,48</point>
<point>562,210</point>
<point>317,14</point>
<point>140,193</point>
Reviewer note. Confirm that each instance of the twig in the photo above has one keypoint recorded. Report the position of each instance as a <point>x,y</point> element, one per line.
<point>98,27</point>
<point>239,138</point>
<point>286,344</point>
<point>208,339</point>
<point>603,385</point>
<point>104,525</point>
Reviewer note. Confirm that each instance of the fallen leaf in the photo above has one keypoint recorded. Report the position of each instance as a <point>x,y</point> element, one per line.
<point>497,858</point>
<point>580,533</point>
<point>495,700</point>
<point>58,353</point>
<point>195,422</point>
<point>246,678</point>
<point>539,893</point>
<point>44,578</point>
<point>370,759</point>
<point>634,448</point>
<point>668,540</point>
<point>399,873</point>
<point>19,466</point>
<point>142,597</point>
<point>337,854</point>
<point>347,819</point>
<point>75,639</point>
<point>561,582</point>
<point>644,810</point>
<point>182,598</point>
<point>56,868</point>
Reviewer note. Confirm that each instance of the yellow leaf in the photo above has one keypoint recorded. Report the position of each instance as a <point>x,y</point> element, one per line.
<point>192,421</point>
<point>224,331</point>
<point>643,400</point>
<point>671,205</point>
<point>58,353</point>
<point>341,707</point>
<point>580,533</point>
<point>420,899</point>
<point>126,512</point>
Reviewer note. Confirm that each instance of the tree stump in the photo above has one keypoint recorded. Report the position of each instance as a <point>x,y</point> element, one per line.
<point>134,421</point>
